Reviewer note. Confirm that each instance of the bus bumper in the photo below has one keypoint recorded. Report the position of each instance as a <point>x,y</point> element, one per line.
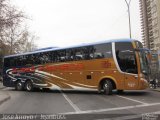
<point>143,84</point>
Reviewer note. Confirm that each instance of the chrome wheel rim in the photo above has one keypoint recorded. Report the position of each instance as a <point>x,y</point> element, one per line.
<point>105,86</point>
<point>29,86</point>
<point>19,85</point>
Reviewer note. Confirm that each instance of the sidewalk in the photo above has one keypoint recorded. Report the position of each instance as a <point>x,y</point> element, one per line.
<point>3,96</point>
<point>1,85</point>
<point>157,89</point>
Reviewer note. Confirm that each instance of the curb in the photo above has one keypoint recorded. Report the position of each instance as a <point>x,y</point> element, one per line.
<point>158,90</point>
<point>5,99</point>
<point>2,87</point>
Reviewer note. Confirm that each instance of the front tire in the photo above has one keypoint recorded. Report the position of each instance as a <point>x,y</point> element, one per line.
<point>108,87</point>
<point>29,86</point>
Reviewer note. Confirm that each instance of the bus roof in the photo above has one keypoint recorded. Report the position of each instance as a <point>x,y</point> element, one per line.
<point>47,48</point>
<point>75,46</point>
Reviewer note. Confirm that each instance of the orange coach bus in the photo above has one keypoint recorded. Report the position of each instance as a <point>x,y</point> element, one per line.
<point>115,64</point>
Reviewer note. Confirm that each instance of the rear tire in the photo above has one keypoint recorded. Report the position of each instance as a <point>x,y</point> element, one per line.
<point>19,85</point>
<point>107,87</point>
<point>29,86</point>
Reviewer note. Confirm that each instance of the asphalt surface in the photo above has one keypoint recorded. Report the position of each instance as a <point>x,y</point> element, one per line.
<point>83,105</point>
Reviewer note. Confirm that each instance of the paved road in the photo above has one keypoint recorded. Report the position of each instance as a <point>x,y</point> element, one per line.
<point>82,104</point>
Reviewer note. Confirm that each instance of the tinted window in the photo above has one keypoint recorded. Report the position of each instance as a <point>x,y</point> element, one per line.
<point>126,57</point>
<point>69,54</point>
<point>7,62</point>
<point>82,53</point>
<point>10,62</point>
<point>20,61</point>
<point>29,59</point>
<point>36,58</point>
<point>103,51</point>
<point>42,58</point>
<point>88,52</point>
<point>72,54</point>
<point>62,55</point>
<point>78,54</point>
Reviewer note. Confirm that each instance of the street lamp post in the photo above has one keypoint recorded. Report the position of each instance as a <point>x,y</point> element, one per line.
<point>128,6</point>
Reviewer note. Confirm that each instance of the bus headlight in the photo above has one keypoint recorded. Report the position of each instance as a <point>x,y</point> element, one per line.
<point>144,82</point>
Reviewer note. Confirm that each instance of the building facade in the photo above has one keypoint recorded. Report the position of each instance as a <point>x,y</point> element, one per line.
<point>150,21</point>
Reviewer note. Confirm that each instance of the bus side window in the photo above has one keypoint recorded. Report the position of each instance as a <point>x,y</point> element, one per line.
<point>77,54</point>
<point>62,56</point>
<point>88,52</point>
<point>46,57</point>
<point>36,59</point>
<point>13,62</point>
<point>19,61</point>
<point>126,57</point>
<point>103,51</point>
<point>69,54</point>
<point>53,56</point>
<point>57,56</point>
<point>24,60</point>
<point>7,62</point>
<point>29,60</point>
<point>97,53</point>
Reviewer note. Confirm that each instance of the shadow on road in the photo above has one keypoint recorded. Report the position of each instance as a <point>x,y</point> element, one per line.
<point>87,92</point>
<point>134,93</point>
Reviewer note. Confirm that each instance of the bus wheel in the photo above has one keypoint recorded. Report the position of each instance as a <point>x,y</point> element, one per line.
<point>29,86</point>
<point>19,85</point>
<point>108,87</point>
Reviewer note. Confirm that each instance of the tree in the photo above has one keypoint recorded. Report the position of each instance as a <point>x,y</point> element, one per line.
<point>14,36</point>
<point>26,42</point>
<point>20,40</point>
<point>13,32</point>
<point>9,16</point>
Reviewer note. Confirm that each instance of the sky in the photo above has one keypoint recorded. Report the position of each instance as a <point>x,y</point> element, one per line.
<point>70,22</point>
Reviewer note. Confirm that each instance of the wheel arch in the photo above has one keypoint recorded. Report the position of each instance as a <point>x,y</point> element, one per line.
<point>28,80</point>
<point>102,80</point>
<point>15,82</point>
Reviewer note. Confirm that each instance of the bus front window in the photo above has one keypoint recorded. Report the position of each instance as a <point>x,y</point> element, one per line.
<point>144,63</point>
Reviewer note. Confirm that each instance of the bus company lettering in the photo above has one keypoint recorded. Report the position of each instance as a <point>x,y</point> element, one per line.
<point>66,67</point>
<point>131,84</point>
<point>23,70</point>
<point>32,69</point>
<point>106,64</point>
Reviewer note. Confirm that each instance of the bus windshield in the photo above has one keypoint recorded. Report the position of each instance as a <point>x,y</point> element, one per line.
<point>144,62</point>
